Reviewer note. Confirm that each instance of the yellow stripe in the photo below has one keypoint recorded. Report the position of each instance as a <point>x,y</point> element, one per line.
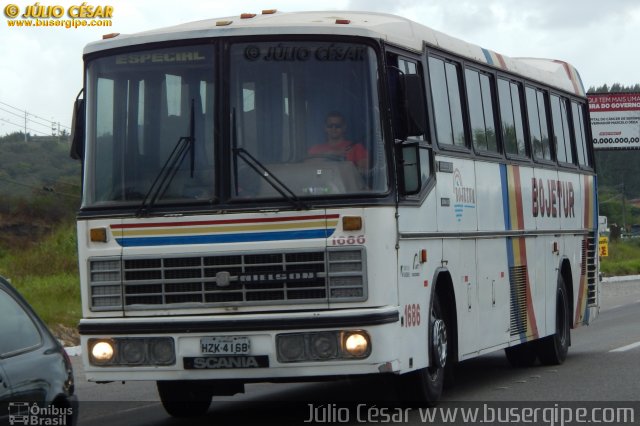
<point>228,228</point>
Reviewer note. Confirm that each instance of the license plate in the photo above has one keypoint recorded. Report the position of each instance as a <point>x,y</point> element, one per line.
<point>225,345</point>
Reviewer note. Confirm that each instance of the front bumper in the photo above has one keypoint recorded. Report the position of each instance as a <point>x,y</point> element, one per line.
<point>261,363</point>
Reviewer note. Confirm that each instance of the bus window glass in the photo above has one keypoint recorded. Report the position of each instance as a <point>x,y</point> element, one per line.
<point>579,132</point>
<point>483,130</point>
<point>538,129</point>
<point>308,113</point>
<point>140,112</point>
<point>445,90</point>
<point>561,129</point>
<point>511,115</point>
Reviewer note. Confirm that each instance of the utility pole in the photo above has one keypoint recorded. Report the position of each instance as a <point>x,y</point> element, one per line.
<point>25,125</point>
<point>624,208</point>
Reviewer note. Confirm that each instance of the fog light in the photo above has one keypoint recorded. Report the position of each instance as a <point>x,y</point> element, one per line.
<point>102,351</point>
<point>324,346</point>
<point>132,351</point>
<point>357,345</point>
<point>162,352</point>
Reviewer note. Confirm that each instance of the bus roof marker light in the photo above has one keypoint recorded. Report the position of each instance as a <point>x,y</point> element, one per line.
<point>247,15</point>
<point>269,11</point>
<point>343,21</point>
<point>110,35</point>
<point>223,23</point>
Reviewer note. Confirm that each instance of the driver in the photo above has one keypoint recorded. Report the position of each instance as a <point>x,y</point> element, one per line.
<point>336,144</point>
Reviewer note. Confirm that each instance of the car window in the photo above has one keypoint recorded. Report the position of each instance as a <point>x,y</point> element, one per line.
<point>16,328</point>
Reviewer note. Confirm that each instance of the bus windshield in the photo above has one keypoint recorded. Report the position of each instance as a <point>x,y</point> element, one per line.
<point>308,113</point>
<point>302,121</point>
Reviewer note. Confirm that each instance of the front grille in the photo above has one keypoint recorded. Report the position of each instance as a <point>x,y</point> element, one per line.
<point>229,280</point>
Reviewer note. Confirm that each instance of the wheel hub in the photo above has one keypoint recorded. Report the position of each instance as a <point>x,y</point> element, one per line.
<point>439,342</point>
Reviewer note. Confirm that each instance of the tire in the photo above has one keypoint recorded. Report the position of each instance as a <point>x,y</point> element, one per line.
<point>183,398</point>
<point>424,386</point>
<point>522,355</point>
<point>552,350</point>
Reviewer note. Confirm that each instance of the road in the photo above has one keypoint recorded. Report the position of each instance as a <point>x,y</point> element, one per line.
<point>602,366</point>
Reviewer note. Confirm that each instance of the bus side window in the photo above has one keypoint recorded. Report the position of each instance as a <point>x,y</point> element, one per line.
<point>483,126</point>
<point>511,116</point>
<point>538,124</point>
<point>561,133</point>
<point>577,112</point>
<point>444,80</point>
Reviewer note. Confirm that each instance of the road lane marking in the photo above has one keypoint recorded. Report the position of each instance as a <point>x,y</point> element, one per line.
<point>626,348</point>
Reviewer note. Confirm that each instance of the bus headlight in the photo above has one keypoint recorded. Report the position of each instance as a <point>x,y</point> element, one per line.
<point>162,352</point>
<point>133,351</point>
<point>102,351</point>
<point>323,346</point>
<point>356,344</point>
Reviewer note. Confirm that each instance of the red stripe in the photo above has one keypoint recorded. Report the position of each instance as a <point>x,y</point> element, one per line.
<point>223,222</point>
<point>518,191</point>
<point>587,202</point>
<point>570,74</point>
<point>503,64</point>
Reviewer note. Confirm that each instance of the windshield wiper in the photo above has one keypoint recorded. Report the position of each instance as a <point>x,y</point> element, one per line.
<point>186,144</point>
<point>271,179</point>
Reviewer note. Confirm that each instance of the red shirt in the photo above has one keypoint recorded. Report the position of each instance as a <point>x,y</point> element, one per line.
<point>351,151</point>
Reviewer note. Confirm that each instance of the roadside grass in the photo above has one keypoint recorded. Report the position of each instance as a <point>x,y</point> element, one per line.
<point>46,274</point>
<point>623,259</point>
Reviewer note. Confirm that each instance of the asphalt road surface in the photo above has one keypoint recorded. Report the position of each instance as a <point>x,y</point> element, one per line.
<point>600,379</point>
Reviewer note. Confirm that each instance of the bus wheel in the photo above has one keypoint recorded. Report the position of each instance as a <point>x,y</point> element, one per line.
<point>424,386</point>
<point>184,398</point>
<point>552,350</point>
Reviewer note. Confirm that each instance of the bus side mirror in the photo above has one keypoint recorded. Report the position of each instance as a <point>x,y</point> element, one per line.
<point>77,130</point>
<point>411,175</point>
<point>407,104</point>
<point>414,104</point>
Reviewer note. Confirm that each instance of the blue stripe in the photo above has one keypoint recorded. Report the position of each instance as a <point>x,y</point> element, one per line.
<point>505,197</point>
<point>487,56</point>
<point>226,238</point>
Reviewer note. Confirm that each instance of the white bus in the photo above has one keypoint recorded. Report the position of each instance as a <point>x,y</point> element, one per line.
<point>283,196</point>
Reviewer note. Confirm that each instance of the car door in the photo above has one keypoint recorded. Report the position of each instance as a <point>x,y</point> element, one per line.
<point>21,353</point>
<point>5,395</point>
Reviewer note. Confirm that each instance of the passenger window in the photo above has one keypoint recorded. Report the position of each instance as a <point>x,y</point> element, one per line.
<point>16,328</point>
<point>577,111</point>
<point>561,129</point>
<point>483,128</point>
<point>538,124</point>
<point>511,116</point>
<point>445,90</point>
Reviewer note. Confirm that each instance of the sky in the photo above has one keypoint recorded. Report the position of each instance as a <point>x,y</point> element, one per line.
<point>41,68</point>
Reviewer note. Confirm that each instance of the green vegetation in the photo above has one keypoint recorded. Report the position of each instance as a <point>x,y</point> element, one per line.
<point>46,274</point>
<point>623,259</point>
<point>39,189</point>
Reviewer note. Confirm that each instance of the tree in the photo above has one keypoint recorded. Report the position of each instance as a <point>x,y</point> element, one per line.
<point>615,88</point>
